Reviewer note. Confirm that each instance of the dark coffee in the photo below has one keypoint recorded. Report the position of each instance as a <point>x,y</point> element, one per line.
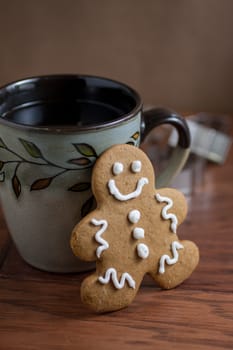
<point>65,100</point>
<point>80,113</point>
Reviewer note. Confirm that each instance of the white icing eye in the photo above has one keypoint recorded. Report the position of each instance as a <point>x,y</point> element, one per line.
<point>143,251</point>
<point>117,168</point>
<point>134,216</point>
<point>136,166</point>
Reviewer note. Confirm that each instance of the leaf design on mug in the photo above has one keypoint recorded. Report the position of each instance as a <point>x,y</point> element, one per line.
<point>16,185</point>
<point>31,148</point>
<point>41,184</point>
<point>2,177</point>
<point>1,164</point>
<point>80,161</point>
<point>80,187</point>
<point>136,135</point>
<point>85,149</point>
<point>2,144</point>
<point>87,206</point>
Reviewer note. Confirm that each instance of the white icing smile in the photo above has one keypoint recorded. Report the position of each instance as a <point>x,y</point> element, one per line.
<point>125,197</point>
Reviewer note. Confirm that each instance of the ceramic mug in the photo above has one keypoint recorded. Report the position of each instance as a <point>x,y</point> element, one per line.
<point>52,130</point>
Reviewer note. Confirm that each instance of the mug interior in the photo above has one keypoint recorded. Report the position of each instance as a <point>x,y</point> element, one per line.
<point>67,100</point>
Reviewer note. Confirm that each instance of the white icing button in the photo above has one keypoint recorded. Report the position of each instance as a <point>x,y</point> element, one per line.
<point>117,168</point>
<point>138,233</point>
<point>134,216</point>
<point>136,166</point>
<point>143,251</point>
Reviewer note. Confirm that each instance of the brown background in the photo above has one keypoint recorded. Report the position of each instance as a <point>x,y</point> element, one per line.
<point>175,53</point>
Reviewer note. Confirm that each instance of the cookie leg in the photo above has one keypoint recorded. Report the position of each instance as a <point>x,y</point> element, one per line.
<point>177,265</point>
<point>105,297</point>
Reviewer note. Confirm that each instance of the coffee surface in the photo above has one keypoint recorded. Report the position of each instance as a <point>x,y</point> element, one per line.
<point>80,113</point>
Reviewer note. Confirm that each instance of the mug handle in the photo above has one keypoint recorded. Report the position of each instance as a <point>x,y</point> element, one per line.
<point>158,116</point>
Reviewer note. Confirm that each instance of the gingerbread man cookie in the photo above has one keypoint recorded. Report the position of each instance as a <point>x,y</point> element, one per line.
<point>133,231</point>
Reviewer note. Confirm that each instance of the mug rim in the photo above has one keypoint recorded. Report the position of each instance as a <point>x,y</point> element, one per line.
<point>73,128</point>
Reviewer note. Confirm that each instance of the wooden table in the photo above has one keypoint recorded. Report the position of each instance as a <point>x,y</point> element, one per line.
<point>39,310</point>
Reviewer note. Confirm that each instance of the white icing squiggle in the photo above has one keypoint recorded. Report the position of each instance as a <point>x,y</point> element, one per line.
<point>103,244</point>
<point>112,274</point>
<point>125,197</point>
<point>165,214</point>
<point>166,258</point>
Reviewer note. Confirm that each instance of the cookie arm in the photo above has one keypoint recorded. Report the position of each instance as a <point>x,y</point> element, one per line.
<point>178,202</point>
<point>86,241</point>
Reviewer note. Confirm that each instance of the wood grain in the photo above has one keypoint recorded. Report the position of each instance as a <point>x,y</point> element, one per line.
<point>40,310</point>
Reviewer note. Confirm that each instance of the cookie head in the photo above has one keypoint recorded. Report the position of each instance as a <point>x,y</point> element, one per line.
<point>123,173</point>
